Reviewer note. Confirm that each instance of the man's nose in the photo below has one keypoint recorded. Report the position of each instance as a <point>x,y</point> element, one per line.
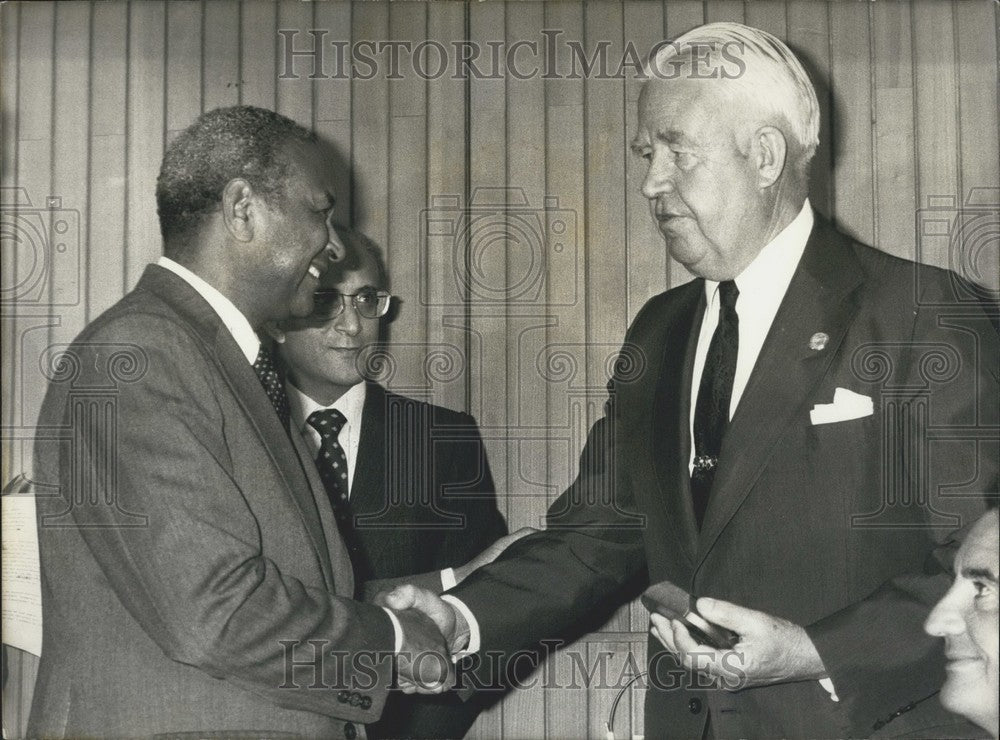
<point>347,322</point>
<point>334,246</point>
<point>659,178</point>
<point>945,618</point>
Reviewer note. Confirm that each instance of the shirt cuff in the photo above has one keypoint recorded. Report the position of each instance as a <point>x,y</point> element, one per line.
<point>448,579</point>
<point>474,637</point>
<point>397,629</point>
<point>827,683</point>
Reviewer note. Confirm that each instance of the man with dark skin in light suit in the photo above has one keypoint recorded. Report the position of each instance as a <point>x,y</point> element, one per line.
<point>193,577</point>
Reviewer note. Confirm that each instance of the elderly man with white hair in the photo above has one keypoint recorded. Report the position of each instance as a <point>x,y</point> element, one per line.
<point>765,445</point>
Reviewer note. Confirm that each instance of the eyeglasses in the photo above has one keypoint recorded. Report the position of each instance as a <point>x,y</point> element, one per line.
<point>328,303</point>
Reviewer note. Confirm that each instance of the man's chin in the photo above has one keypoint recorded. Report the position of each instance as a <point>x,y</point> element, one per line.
<point>960,697</point>
<point>682,250</point>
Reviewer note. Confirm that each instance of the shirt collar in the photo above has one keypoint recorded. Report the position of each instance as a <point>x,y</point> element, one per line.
<point>771,271</point>
<point>232,317</point>
<point>351,405</point>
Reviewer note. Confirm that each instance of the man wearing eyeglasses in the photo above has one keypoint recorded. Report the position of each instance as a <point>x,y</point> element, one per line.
<point>408,481</point>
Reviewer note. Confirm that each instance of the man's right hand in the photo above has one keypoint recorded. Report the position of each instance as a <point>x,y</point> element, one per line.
<point>423,665</point>
<point>447,618</point>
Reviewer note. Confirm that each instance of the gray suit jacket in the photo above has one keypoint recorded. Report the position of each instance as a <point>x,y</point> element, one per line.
<point>193,576</point>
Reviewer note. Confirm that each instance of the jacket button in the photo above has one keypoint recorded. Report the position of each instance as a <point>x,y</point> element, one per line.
<point>342,697</point>
<point>694,705</point>
<point>350,731</point>
<point>366,702</point>
<point>355,699</point>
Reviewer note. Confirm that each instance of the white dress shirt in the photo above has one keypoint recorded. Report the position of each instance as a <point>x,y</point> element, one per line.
<point>231,316</point>
<point>351,405</point>
<point>249,344</point>
<point>762,286</point>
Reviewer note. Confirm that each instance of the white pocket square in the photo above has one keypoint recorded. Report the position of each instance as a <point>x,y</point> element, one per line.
<point>846,405</point>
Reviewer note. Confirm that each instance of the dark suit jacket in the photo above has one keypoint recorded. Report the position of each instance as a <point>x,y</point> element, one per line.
<point>815,524</point>
<point>423,499</point>
<point>187,553</point>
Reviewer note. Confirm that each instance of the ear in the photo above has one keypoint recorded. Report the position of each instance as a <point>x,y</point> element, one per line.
<point>275,329</point>
<point>238,209</point>
<point>770,150</point>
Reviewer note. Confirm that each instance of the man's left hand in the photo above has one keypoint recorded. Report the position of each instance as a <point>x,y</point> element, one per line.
<point>771,650</point>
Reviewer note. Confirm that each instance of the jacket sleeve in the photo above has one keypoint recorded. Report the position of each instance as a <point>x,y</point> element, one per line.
<point>195,575</point>
<point>548,581</point>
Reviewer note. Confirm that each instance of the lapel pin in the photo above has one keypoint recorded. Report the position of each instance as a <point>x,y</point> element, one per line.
<point>818,341</point>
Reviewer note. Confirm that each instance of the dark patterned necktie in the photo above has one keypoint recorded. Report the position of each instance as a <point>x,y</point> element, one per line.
<point>711,414</point>
<point>274,384</point>
<point>332,465</point>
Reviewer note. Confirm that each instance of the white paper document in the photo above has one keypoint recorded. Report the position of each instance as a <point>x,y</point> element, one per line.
<point>22,591</point>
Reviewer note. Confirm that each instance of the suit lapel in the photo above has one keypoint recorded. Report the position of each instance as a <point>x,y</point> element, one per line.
<point>369,494</point>
<point>667,419</point>
<point>248,392</point>
<point>820,298</point>
<point>342,578</point>
<point>367,487</point>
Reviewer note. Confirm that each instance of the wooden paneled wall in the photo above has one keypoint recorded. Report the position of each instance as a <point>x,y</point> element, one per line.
<point>515,312</point>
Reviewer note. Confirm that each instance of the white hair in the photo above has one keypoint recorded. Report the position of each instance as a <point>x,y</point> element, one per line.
<point>757,68</point>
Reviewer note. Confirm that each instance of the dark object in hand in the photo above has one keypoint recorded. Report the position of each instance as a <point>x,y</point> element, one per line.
<point>672,602</point>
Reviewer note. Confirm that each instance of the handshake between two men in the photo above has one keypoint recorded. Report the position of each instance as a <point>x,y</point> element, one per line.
<point>434,634</point>
<point>434,631</point>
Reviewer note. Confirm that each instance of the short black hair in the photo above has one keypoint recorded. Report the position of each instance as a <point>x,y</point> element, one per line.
<point>223,144</point>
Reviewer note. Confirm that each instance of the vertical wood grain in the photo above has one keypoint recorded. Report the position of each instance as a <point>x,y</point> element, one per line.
<point>681,17</point>
<point>935,120</point>
<point>894,204</point>
<point>407,189</point>
<point>370,113</point>
<point>564,359</point>
<point>184,64</point>
<point>9,78</point>
<point>108,152</point>
<point>767,15</point>
<point>606,254</point>
<point>850,70</point>
<point>258,52</point>
<point>220,54</point>
<point>486,241</point>
<point>530,254</point>
<point>978,253</point>
<point>646,264</point>
<point>294,86</point>
<point>440,267</point>
<point>332,101</point>
<point>147,124</point>
<point>724,10</point>
<point>91,91</point>
<point>38,264</point>
<point>809,37</point>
